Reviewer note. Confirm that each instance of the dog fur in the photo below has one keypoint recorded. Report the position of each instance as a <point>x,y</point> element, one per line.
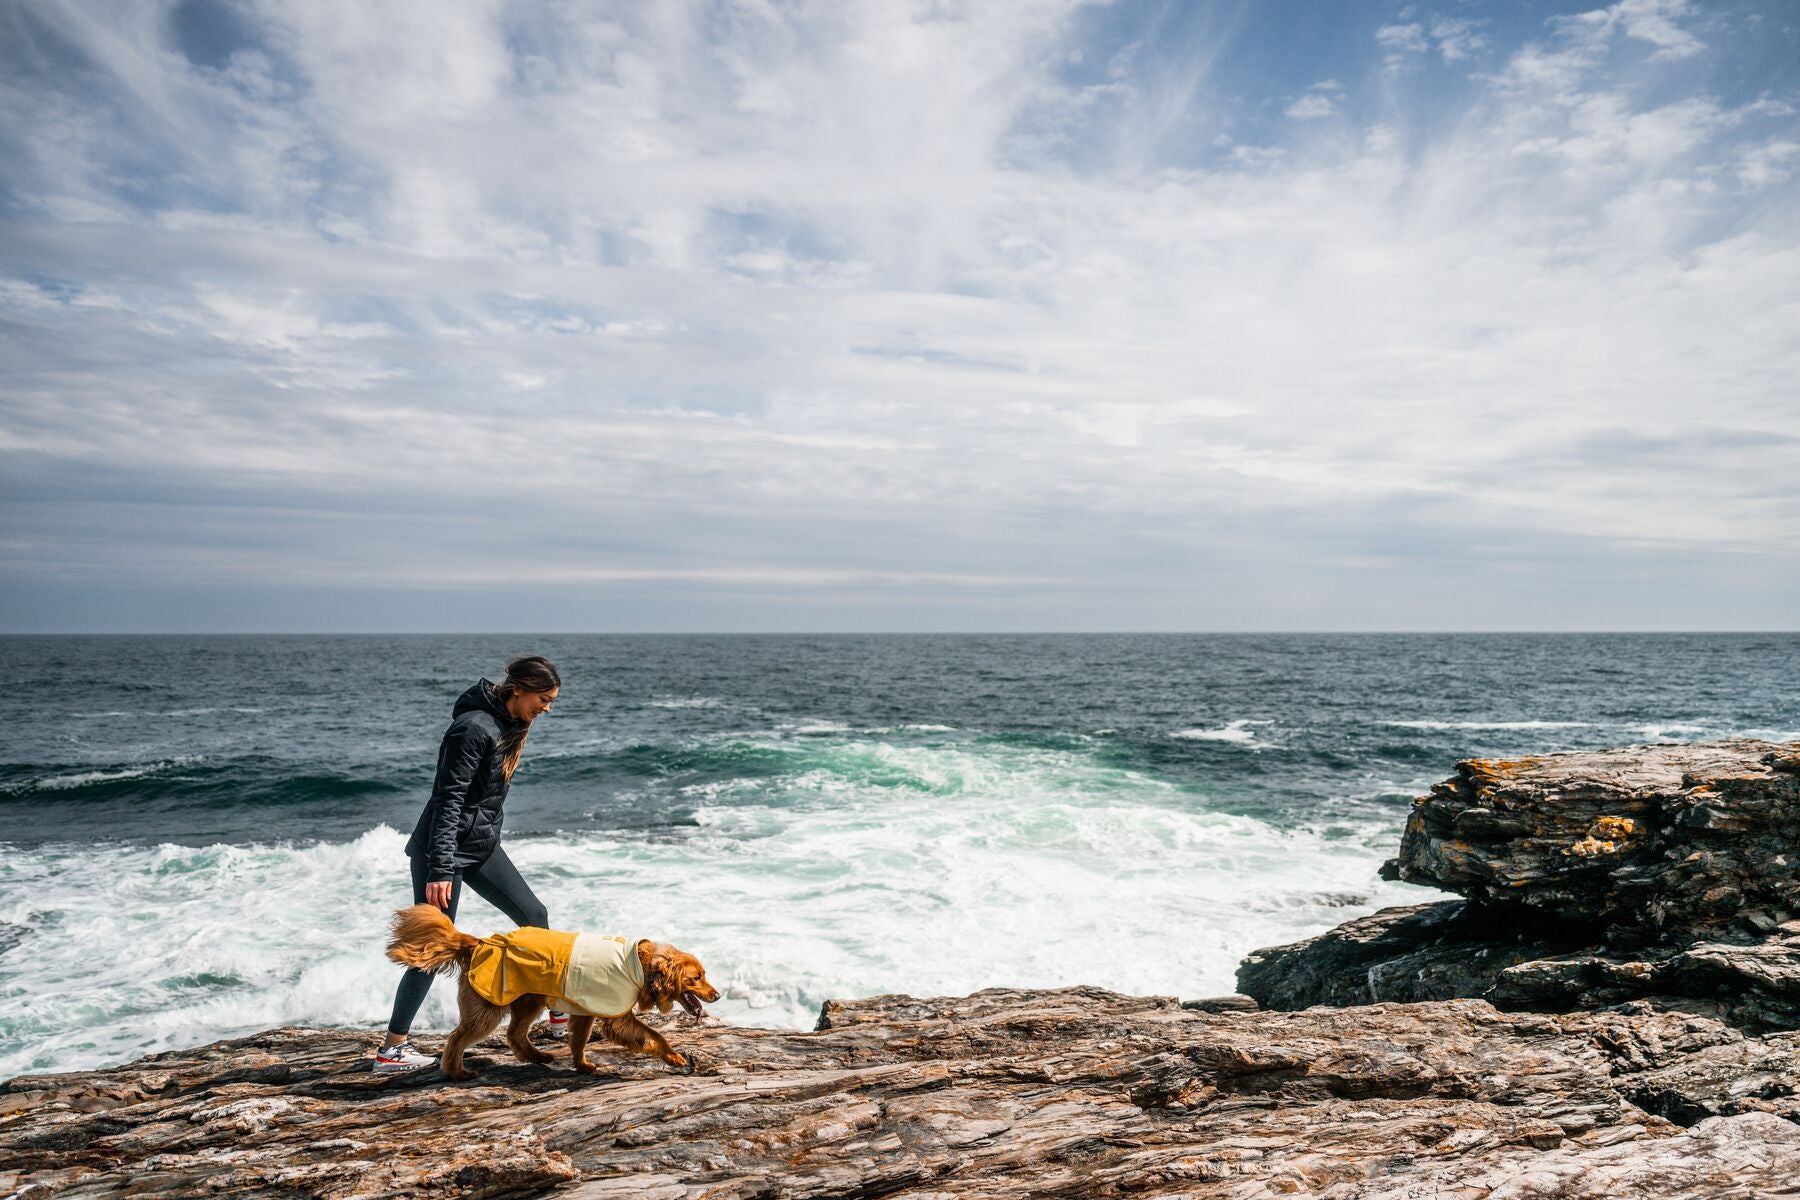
<point>424,937</point>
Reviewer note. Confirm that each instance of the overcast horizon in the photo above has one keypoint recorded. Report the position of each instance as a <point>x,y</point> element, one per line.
<point>1035,316</point>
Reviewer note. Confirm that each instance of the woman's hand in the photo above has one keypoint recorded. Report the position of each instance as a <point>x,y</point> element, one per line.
<point>439,894</point>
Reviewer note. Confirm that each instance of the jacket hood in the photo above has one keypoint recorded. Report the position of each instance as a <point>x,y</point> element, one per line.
<point>480,697</point>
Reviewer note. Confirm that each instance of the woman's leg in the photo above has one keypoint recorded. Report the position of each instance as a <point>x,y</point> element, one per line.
<point>416,983</point>
<point>499,883</point>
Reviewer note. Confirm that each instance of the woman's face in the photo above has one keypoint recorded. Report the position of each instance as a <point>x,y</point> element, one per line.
<point>528,706</point>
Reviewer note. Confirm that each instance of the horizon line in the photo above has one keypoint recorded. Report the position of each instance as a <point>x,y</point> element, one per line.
<point>905,633</point>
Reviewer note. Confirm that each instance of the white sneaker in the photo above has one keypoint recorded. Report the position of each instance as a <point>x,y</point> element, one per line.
<point>402,1057</point>
<point>558,1025</point>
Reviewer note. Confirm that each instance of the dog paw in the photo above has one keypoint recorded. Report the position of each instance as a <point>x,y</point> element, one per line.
<point>685,1064</point>
<point>587,1068</point>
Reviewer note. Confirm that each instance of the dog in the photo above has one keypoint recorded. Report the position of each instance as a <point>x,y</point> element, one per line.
<point>505,965</point>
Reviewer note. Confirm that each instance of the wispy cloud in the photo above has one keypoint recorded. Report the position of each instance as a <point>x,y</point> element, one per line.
<point>1032,314</point>
<point>1312,106</point>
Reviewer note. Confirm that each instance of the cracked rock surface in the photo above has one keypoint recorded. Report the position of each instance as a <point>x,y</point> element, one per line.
<point>1076,1092</point>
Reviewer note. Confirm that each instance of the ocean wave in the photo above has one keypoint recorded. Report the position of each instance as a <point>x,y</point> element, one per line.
<point>1239,732</point>
<point>814,728</point>
<point>190,781</point>
<point>689,702</point>
<point>87,779</point>
<point>1671,731</point>
<point>1445,725</point>
<point>171,712</point>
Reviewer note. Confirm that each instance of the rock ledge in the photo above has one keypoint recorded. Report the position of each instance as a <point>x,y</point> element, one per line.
<point>1077,1092</point>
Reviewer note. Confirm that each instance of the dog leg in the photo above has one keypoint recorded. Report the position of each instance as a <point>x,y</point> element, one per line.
<point>579,1028</point>
<point>638,1037</point>
<point>524,1011</point>
<point>477,1019</point>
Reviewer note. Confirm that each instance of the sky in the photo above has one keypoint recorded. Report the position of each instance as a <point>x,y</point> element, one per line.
<point>1033,315</point>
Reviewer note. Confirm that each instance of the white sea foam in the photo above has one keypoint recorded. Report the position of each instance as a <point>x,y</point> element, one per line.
<point>1671,732</point>
<point>814,728</point>
<point>1233,731</point>
<point>924,869</point>
<point>688,702</point>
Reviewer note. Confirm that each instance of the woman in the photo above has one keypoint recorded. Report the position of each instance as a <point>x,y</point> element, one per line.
<point>457,839</point>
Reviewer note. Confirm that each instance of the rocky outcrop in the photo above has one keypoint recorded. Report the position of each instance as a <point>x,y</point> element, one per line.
<point>1649,843</point>
<point>1075,1093</point>
<point>1593,879</point>
<point>1456,949</point>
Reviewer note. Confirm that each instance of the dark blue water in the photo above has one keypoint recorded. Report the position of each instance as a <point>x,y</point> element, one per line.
<point>233,739</point>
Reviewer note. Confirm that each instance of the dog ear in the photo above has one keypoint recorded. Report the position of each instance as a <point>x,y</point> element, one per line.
<point>660,973</point>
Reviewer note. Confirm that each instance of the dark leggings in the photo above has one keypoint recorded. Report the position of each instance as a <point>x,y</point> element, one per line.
<point>498,882</point>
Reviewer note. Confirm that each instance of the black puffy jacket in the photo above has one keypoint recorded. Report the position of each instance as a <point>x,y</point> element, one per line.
<point>461,824</point>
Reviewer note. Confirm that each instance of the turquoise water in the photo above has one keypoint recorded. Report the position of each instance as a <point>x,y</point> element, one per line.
<point>204,835</point>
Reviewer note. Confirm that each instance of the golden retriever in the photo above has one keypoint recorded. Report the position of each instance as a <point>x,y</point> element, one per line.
<point>425,938</point>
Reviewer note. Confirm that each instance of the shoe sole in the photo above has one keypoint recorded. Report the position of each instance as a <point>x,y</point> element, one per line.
<point>387,1068</point>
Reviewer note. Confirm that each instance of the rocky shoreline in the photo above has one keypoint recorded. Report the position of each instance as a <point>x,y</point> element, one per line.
<point>1608,1011</point>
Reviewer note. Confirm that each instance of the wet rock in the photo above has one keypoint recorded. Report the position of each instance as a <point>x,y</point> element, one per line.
<point>1594,879</point>
<point>1650,842</point>
<point>1218,1004</point>
<point>1075,1092</point>
<point>1441,951</point>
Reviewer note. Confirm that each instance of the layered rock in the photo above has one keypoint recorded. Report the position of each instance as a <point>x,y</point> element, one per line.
<point>1076,1093</point>
<point>1593,879</point>
<point>1649,842</point>
<point>1458,949</point>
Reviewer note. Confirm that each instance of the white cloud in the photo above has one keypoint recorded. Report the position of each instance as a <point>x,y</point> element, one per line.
<point>1407,38</point>
<point>1655,21</point>
<point>1311,106</point>
<point>1403,43</point>
<point>1769,163</point>
<point>851,297</point>
<point>1457,38</point>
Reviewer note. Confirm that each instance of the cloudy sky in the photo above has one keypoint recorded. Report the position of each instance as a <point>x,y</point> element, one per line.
<point>935,316</point>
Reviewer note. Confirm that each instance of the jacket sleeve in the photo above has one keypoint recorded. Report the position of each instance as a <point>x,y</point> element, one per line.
<point>459,758</point>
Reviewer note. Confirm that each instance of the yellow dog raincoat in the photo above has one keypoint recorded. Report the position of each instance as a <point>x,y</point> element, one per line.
<point>595,975</point>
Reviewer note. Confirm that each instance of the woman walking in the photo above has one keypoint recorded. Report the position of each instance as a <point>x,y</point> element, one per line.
<point>457,839</point>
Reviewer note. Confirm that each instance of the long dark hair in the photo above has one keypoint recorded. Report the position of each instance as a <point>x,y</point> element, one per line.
<point>532,673</point>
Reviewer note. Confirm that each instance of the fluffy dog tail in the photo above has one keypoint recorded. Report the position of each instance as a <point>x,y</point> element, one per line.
<point>424,937</point>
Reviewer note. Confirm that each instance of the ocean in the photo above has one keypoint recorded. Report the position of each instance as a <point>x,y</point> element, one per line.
<point>203,836</point>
